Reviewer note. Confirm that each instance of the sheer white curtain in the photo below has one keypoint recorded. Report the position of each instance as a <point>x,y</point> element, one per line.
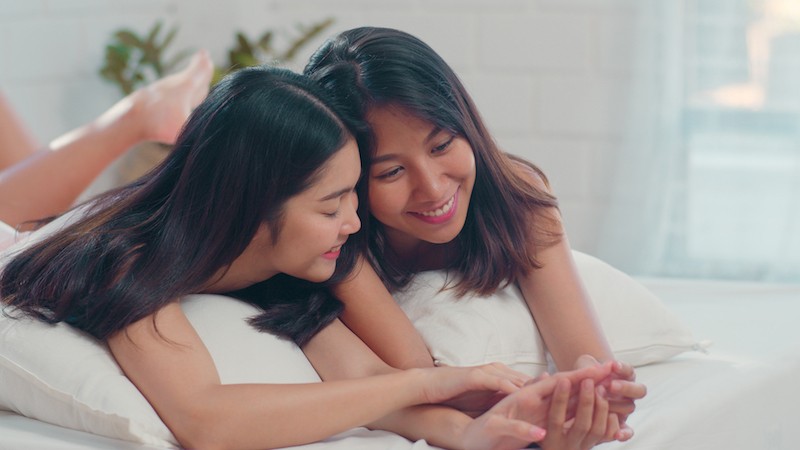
<point>708,180</point>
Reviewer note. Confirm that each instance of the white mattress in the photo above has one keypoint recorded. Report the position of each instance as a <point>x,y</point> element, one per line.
<point>743,394</point>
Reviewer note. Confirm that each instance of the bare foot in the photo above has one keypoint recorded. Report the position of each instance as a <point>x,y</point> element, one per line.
<point>164,105</point>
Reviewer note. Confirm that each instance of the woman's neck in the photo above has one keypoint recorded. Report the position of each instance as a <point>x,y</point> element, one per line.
<point>417,255</point>
<point>233,278</point>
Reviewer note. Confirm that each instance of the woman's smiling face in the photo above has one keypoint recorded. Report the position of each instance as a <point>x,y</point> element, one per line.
<point>420,179</point>
<point>315,225</point>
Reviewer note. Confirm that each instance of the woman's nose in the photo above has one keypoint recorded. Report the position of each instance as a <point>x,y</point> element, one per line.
<point>351,222</point>
<point>428,184</point>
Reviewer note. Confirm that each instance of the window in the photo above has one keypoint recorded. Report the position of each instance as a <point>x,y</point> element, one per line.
<point>735,207</point>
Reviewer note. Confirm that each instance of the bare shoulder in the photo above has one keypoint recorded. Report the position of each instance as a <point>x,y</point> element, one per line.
<point>546,222</point>
<point>159,330</point>
<point>363,281</point>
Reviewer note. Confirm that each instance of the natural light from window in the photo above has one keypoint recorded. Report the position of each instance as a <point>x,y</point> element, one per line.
<point>741,138</point>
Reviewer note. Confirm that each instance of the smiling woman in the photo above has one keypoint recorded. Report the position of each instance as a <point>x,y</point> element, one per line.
<point>256,200</point>
<point>442,196</point>
<point>421,180</point>
<point>311,238</point>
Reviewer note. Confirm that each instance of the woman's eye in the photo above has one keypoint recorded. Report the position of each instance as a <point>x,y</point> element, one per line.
<point>443,146</point>
<point>332,214</point>
<point>390,174</point>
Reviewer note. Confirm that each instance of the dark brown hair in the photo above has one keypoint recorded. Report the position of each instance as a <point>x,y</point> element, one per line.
<point>259,138</point>
<point>375,67</point>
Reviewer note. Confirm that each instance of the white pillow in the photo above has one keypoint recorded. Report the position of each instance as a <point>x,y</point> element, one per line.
<point>8,235</point>
<point>639,328</point>
<point>60,375</point>
<point>473,330</point>
<point>476,330</point>
<point>241,353</point>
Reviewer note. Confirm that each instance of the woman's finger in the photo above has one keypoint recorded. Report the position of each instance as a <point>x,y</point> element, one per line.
<point>612,429</point>
<point>557,415</point>
<point>624,371</point>
<point>583,416</point>
<point>601,422</point>
<point>625,433</point>
<point>518,379</point>
<point>627,389</point>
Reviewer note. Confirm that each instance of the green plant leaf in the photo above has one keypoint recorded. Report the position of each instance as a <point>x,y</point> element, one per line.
<point>179,57</point>
<point>128,38</point>
<point>151,37</point>
<point>243,43</point>
<point>168,38</point>
<point>131,60</point>
<point>307,34</point>
<point>265,43</point>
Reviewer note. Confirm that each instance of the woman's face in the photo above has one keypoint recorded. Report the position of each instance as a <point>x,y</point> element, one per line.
<point>420,180</point>
<point>316,223</point>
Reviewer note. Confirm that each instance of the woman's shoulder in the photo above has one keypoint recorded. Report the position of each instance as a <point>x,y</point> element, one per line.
<point>544,215</point>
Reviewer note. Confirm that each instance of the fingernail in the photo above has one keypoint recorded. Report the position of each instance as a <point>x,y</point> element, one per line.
<point>624,434</point>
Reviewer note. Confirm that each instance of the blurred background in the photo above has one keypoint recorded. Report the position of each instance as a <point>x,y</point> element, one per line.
<point>670,130</point>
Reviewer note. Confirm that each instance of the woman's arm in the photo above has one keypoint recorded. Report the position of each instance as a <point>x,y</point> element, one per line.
<point>555,294</point>
<point>564,314</point>
<point>513,422</point>
<point>439,425</point>
<point>177,375</point>
<point>567,321</point>
<point>373,315</point>
<point>175,372</point>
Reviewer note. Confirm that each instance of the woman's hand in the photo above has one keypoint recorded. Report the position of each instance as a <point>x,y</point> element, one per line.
<point>591,424</point>
<point>520,418</point>
<point>622,390</point>
<point>515,421</point>
<point>471,387</point>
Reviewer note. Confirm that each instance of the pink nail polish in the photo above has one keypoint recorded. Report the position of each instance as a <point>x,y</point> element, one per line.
<point>538,434</point>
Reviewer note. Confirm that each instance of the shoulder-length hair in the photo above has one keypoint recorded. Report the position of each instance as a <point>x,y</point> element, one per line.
<point>375,67</point>
<point>260,137</point>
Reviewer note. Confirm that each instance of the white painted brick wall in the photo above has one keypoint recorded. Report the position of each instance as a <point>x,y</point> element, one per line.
<point>549,76</point>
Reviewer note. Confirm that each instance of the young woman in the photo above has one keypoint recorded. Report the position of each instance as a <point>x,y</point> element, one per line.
<point>441,195</point>
<point>39,182</point>
<point>257,200</point>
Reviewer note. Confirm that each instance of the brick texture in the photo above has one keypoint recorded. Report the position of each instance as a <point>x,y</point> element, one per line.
<point>549,76</point>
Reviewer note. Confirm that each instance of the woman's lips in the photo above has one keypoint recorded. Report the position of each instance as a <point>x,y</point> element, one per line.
<point>333,253</point>
<point>441,214</point>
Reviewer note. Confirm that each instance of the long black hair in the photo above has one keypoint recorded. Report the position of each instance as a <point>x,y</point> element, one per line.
<point>259,138</point>
<point>372,67</point>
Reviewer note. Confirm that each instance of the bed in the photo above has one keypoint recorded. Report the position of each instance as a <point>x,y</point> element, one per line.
<point>734,386</point>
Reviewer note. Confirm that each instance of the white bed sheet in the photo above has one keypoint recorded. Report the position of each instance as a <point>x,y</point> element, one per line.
<point>743,394</point>
<point>22,433</point>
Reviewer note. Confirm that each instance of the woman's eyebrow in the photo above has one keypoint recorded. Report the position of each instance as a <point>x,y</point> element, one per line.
<point>434,132</point>
<point>335,194</point>
<point>382,158</point>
